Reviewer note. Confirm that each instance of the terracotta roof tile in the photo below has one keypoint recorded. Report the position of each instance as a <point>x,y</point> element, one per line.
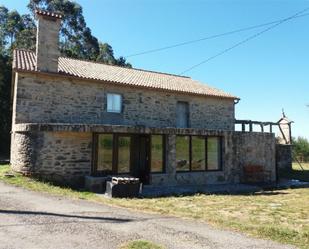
<point>46,13</point>
<point>26,61</point>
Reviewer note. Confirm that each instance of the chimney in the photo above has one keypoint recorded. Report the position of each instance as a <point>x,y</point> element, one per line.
<point>47,41</point>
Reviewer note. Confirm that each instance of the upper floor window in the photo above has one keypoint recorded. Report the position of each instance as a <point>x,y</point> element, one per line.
<point>182,115</point>
<point>114,102</point>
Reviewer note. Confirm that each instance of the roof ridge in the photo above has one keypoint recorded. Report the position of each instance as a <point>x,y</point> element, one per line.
<point>132,68</point>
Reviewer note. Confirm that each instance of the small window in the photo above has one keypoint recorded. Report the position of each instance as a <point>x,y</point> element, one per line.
<point>114,102</point>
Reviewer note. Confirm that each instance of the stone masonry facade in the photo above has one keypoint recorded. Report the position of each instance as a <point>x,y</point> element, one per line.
<point>59,100</point>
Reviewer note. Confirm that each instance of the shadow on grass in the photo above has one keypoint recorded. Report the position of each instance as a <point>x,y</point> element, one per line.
<point>301,175</point>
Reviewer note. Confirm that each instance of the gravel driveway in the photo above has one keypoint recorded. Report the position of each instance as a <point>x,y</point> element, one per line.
<point>35,220</point>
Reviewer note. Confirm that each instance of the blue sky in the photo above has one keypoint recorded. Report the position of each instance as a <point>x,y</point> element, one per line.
<point>268,73</point>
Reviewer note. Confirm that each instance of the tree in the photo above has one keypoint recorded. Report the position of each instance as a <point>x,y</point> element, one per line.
<point>16,31</point>
<point>106,55</point>
<point>76,39</point>
<point>5,110</point>
<point>301,149</point>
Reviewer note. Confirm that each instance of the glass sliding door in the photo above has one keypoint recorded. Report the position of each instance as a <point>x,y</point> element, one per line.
<point>105,153</point>
<point>124,154</point>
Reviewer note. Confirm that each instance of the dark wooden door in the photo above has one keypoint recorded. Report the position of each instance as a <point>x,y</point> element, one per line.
<point>182,115</point>
<point>144,164</point>
<point>141,157</point>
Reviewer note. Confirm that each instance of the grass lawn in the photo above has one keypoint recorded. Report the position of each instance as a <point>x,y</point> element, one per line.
<point>281,215</point>
<point>140,244</point>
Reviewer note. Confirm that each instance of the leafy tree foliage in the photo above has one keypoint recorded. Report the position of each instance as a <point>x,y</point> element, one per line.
<point>5,110</point>
<point>19,31</point>
<point>301,149</point>
<point>76,39</point>
<point>106,55</point>
<point>16,31</point>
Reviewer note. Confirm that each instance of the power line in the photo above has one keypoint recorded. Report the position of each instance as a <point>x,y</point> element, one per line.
<point>244,41</point>
<point>209,37</point>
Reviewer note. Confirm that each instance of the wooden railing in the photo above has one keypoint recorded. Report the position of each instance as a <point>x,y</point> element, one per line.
<point>243,124</point>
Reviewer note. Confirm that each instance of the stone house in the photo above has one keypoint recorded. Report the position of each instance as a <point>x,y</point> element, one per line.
<point>75,119</point>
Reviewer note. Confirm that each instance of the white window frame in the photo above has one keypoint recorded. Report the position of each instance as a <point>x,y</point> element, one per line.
<point>111,98</point>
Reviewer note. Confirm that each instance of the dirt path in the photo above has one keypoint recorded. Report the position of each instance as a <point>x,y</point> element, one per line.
<point>35,220</point>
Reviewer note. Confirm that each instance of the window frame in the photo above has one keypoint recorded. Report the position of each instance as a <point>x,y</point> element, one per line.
<point>120,104</point>
<point>115,153</point>
<point>116,156</point>
<point>220,150</point>
<point>190,154</point>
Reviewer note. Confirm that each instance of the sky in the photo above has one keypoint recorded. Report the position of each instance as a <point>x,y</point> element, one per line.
<point>268,73</point>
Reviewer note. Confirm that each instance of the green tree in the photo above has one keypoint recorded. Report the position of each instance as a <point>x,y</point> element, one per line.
<point>5,110</point>
<point>301,149</point>
<point>76,39</point>
<point>106,55</point>
<point>16,31</point>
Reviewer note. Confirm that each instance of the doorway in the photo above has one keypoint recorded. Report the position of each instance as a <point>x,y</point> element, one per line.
<point>141,157</point>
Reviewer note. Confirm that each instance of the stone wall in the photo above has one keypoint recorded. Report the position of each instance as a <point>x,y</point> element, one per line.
<point>255,149</point>
<point>284,156</point>
<point>61,157</point>
<point>59,100</point>
<point>65,156</point>
<point>239,150</point>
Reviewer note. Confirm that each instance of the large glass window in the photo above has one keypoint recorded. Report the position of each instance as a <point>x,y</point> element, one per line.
<point>114,102</point>
<point>124,144</point>
<point>183,153</point>
<point>157,163</point>
<point>105,152</point>
<point>213,153</point>
<point>198,153</point>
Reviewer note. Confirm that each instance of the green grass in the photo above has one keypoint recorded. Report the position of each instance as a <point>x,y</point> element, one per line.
<point>39,186</point>
<point>281,215</point>
<point>140,244</point>
<point>298,172</point>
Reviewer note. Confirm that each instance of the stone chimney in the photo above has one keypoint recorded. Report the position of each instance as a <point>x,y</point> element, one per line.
<point>47,41</point>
